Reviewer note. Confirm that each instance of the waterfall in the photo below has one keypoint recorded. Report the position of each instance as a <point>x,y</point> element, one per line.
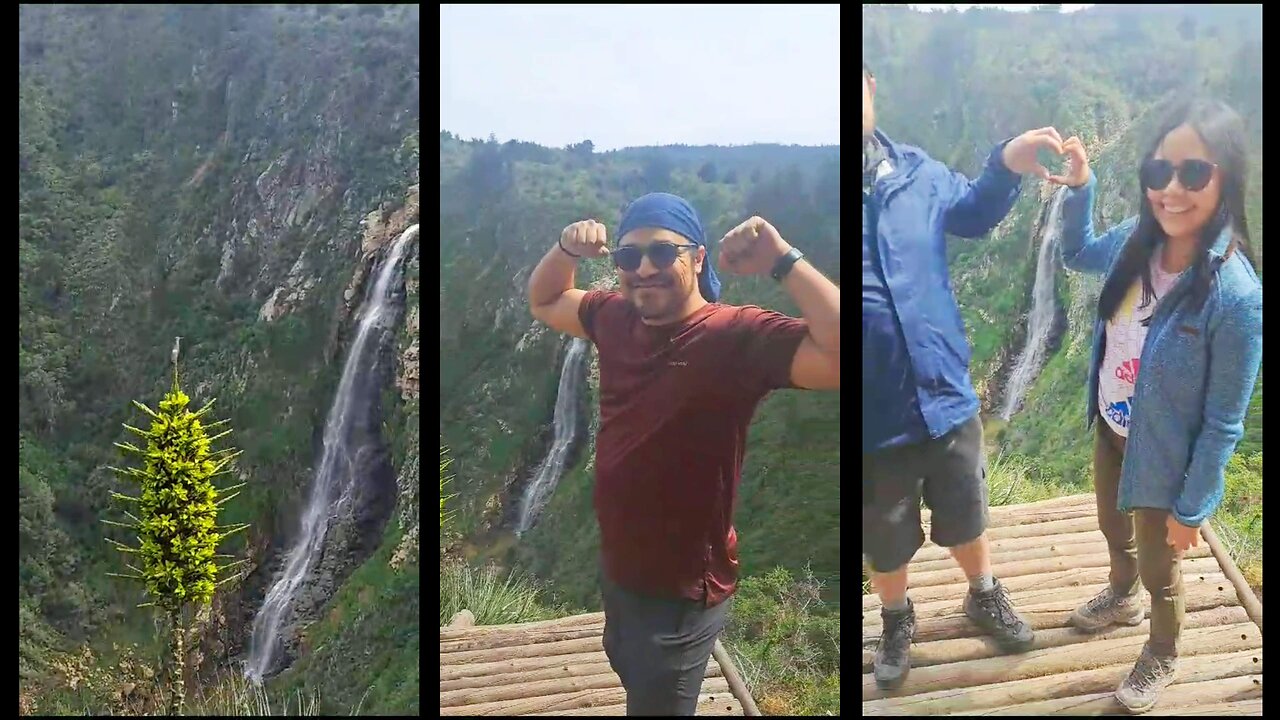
<point>565,421</point>
<point>335,476</point>
<point>1040,320</point>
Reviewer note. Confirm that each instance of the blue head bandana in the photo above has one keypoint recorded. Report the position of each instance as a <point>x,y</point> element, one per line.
<point>669,212</point>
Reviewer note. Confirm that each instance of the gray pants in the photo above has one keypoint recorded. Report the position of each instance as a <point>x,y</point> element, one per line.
<point>659,648</point>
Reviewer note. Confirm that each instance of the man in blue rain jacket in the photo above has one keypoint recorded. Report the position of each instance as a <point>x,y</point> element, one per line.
<point>921,436</point>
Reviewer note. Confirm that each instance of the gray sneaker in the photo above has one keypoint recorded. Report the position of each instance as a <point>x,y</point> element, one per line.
<point>1152,673</point>
<point>1107,608</point>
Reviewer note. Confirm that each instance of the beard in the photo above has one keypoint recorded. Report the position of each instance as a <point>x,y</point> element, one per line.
<point>657,303</point>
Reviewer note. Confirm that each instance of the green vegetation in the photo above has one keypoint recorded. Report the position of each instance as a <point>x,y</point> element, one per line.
<point>786,644</point>
<point>956,84</point>
<point>178,504</point>
<point>779,636</point>
<point>1238,521</point>
<point>131,685</point>
<point>494,598</point>
<point>376,608</point>
<point>176,524</point>
<point>502,206</point>
<point>444,479</point>
<point>142,134</point>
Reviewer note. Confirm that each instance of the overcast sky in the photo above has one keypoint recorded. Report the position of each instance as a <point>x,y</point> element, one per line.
<point>1014,8</point>
<point>628,75</point>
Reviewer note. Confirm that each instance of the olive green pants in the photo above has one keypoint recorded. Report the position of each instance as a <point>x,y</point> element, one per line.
<point>1137,541</point>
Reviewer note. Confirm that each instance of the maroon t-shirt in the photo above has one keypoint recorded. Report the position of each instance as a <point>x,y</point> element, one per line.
<point>675,403</point>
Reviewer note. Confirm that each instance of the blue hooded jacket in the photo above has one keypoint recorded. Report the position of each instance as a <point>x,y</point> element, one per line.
<point>915,361</point>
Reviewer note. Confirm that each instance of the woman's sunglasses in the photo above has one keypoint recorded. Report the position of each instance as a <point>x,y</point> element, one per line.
<point>1193,175</point>
<point>662,254</point>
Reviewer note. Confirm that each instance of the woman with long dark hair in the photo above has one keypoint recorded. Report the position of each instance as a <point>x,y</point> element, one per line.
<point>1177,344</point>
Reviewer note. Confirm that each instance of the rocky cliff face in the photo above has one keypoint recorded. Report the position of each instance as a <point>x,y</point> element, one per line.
<point>261,157</point>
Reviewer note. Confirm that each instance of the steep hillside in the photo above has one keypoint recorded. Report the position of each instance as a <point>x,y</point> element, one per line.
<point>955,84</point>
<point>231,175</point>
<point>502,206</point>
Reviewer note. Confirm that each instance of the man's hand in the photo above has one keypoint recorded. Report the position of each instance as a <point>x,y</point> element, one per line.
<point>1020,154</point>
<point>586,238</point>
<point>751,248</point>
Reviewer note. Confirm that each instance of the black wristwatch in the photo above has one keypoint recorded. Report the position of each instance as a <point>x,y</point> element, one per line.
<point>785,263</point>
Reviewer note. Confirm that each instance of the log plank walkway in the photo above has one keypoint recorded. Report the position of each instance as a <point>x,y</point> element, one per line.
<point>555,667</point>
<point>1052,557</point>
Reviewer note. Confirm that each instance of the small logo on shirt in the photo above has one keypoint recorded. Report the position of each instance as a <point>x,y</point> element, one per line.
<point>1119,412</point>
<point>676,363</point>
<point>1128,370</point>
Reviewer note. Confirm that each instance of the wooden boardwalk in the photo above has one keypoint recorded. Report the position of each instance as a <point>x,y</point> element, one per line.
<point>557,667</point>
<point>1052,558</point>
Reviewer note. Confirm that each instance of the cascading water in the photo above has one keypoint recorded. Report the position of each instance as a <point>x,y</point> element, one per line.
<point>1040,321</point>
<point>336,477</point>
<point>565,420</point>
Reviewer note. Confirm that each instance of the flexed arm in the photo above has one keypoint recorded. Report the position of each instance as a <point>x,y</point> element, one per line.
<point>753,248</point>
<point>552,297</point>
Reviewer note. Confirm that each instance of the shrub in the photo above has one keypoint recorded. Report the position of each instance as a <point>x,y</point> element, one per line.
<point>493,600</point>
<point>787,651</point>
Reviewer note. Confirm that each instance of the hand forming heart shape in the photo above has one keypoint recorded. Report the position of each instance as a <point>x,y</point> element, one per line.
<point>1020,156</point>
<point>1077,173</point>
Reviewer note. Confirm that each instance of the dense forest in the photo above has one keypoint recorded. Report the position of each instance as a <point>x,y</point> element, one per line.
<point>230,175</point>
<point>502,206</point>
<point>957,83</point>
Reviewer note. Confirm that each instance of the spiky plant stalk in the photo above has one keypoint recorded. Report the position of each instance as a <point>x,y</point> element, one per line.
<point>176,520</point>
<point>444,480</point>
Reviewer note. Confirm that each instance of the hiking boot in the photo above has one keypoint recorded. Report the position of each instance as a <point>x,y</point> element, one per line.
<point>1107,608</point>
<point>893,654</point>
<point>1151,674</point>
<point>992,611</point>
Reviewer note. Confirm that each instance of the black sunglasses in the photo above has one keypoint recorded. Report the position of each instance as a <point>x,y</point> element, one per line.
<point>1193,175</point>
<point>662,254</point>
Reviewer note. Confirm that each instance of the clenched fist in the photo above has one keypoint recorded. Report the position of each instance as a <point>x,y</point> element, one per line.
<point>586,238</point>
<point>751,248</point>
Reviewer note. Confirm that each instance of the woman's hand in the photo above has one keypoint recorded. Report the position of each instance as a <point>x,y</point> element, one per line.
<point>1181,537</point>
<point>1077,164</point>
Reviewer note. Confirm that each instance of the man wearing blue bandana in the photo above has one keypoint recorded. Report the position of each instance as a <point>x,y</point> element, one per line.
<point>680,377</point>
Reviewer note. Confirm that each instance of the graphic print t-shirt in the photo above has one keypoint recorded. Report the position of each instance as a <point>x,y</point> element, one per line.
<point>1122,359</point>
